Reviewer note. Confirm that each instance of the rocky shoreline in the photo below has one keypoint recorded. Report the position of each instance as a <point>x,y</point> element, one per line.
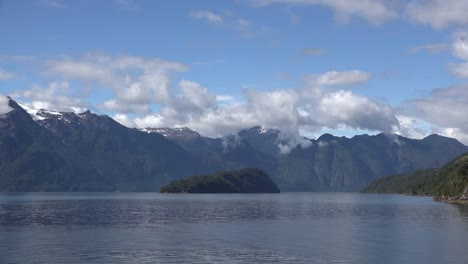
<point>452,199</point>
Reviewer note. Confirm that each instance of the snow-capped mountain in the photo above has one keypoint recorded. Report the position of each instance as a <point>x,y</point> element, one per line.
<point>48,150</point>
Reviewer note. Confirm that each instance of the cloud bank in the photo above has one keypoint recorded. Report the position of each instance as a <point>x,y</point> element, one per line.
<point>144,95</point>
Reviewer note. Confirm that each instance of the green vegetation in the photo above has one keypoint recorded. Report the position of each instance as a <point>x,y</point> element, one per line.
<point>241,181</point>
<point>450,180</point>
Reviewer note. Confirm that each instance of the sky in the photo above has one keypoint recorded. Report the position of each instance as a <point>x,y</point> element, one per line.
<point>307,67</point>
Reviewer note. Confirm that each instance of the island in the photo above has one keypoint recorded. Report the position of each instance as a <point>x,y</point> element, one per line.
<point>449,183</point>
<point>240,181</point>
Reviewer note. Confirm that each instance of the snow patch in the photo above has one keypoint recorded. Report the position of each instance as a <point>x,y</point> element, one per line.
<point>32,112</point>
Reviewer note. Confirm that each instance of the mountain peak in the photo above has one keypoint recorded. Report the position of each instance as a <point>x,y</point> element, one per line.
<point>87,112</point>
<point>13,104</point>
<point>434,136</point>
<point>326,137</point>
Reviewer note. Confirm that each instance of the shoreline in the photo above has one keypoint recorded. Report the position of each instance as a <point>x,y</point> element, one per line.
<point>462,199</point>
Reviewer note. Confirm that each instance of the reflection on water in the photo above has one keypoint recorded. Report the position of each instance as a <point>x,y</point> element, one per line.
<point>267,228</point>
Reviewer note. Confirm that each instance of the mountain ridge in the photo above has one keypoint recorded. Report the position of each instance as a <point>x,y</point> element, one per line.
<point>124,159</point>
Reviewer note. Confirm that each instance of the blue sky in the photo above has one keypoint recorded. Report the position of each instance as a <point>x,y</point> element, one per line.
<point>307,66</point>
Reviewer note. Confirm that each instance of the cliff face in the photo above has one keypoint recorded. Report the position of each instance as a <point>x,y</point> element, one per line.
<point>242,181</point>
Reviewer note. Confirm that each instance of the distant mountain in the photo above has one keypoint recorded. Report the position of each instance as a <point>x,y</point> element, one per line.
<point>241,181</point>
<point>329,163</point>
<point>451,180</point>
<point>46,150</point>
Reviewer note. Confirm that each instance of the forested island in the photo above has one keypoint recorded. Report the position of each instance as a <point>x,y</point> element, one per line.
<point>240,181</point>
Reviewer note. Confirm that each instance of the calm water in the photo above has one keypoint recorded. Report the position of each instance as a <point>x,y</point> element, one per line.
<point>261,228</point>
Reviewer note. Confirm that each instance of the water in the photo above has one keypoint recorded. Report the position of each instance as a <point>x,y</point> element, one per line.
<point>247,228</point>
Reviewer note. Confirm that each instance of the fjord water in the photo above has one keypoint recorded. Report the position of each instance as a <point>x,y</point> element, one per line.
<point>230,228</point>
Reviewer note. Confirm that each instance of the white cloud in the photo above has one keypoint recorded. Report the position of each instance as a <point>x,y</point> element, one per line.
<point>55,98</point>
<point>374,11</point>
<point>289,110</point>
<point>136,82</point>
<point>274,109</point>
<point>194,98</point>
<point>225,98</point>
<point>412,127</point>
<point>457,133</point>
<point>438,13</point>
<point>124,120</point>
<point>288,141</point>
<point>117,107</point>
<point>343,78</point>
<point>208,16</point>
<point>146,97</point>
<point>4,105</point>
<point>444,109</point>
<point>459,70</point>
<point>356,111</point>
<point>460,50</point>
<point>5,75</point>
<point>460,45</point>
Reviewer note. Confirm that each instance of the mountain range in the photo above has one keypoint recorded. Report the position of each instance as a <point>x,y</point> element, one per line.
<point>43,150</point>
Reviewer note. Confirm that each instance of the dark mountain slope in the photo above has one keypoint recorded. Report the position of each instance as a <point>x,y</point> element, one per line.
<point>32,159</point>
<point>67,151</point>
<point>329,164</point>
<point>450,180</point>
<point>131,159</point>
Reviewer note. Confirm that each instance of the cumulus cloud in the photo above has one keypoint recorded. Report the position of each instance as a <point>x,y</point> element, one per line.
<point>137,82</point>
<point>438,13</point>
<point>194,98</point>
<point>356,111</point>
<point>5,75</point>
<point>290,110</point>
<point>374,11</point>
<point>4,105</point>
<point>146,97</point>
<point>445,109</point>
<point>208,16</point>
<point>55,97</point>
<point>277,109</point>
